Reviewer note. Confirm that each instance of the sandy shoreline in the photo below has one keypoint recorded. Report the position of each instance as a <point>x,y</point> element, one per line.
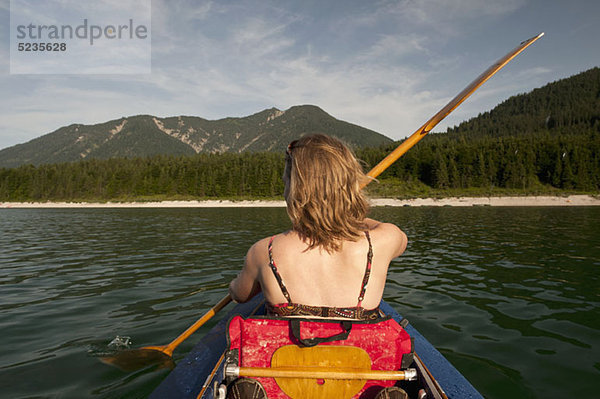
<point>572,200</point>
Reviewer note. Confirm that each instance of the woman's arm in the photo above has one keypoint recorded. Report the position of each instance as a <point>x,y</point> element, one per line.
<point>246,284</point>
<point>400,238</point>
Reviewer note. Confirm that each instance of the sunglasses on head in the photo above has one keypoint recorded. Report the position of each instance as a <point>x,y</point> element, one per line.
<point>290,147</point>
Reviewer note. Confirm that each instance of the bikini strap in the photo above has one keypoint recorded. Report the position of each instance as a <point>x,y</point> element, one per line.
<point>276,273</point>
<point>365,281</point>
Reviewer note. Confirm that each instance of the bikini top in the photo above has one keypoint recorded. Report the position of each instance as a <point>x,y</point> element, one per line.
<point>295,309</point>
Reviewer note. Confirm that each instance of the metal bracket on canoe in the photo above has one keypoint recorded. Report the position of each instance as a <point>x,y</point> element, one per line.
<point>231,371</point>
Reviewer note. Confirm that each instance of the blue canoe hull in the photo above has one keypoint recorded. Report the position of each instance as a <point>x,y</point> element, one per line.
<point>199,370</point>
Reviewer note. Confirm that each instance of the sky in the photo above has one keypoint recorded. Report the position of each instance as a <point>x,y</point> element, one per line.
<point>384,65</point>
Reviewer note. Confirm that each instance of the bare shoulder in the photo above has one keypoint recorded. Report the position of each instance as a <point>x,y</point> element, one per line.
<point>258,253</point>
<point>388,234</point>
<point>383,228</point>
<point>260,245</point>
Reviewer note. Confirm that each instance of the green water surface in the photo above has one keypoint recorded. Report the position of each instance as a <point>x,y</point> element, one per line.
<point>509,295</point>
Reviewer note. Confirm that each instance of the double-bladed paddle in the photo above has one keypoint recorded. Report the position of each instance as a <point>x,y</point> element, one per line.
<point>133,359</point>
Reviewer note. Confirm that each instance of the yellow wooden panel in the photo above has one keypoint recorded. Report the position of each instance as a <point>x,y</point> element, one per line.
<point>347,357</point>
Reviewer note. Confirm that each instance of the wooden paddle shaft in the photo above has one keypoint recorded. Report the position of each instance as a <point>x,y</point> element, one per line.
<point>199,323</point>
<point>455,102</point>
<point>322,373</point>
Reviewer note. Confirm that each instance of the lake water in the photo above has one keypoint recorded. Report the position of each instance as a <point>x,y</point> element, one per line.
<point>509,295</point>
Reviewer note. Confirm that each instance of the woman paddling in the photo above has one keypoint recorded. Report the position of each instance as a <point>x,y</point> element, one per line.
<point>321,267</point>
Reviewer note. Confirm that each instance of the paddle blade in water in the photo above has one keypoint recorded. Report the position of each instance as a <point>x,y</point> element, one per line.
<point>135,359</point>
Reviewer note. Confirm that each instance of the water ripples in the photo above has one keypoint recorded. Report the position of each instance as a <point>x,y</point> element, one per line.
<point>509,295</point>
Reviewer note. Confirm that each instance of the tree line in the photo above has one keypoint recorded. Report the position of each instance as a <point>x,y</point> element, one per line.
<point>200,176</point>
<point>441,161</point>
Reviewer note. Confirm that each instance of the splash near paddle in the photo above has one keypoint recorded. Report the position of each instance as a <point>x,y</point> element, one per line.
<point>134,359</point>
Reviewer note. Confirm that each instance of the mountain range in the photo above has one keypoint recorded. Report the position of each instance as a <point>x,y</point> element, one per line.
<point>147,135</point>
<point>568,106</point>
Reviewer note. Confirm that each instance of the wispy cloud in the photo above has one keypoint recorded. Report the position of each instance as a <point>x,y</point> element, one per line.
<point>385,65</point>
<point>534,72</point>
<point>449,17</point>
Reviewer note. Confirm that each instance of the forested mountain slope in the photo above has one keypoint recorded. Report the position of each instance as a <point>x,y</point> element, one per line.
<point>549,136</point>
<point>567,106</point>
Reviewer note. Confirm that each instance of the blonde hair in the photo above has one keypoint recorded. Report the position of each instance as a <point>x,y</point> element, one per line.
<point>324,199</point>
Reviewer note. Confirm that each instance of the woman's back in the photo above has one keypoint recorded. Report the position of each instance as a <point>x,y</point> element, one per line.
<point>316,277</point>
